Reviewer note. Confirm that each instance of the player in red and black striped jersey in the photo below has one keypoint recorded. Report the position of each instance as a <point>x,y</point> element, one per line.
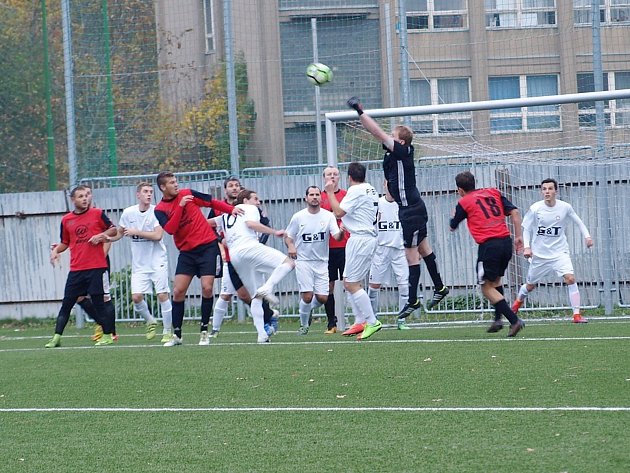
<point>83,231</point>
<point>485,211</point>
<point>180,215</point>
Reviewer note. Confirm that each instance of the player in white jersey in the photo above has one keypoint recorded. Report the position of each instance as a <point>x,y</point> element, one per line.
<point>149,261</point>
<point>390,256</point>
<point>307,238</point>
<point>357,211</point>
<point>252,259</point>
<point>546,244</point>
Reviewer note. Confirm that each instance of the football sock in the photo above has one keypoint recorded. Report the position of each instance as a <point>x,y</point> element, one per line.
<point>373,295</point>
<point>257,315</point>
<point>523,292</point>
<point>267,312</point>
<point>206,312</point>
<point>502,307</point>
<point>403,296</point>
<point>414,279</point>
<point>88,307</point>
<point>277,275</point>
<point>167,315</point>
<point>574,297</point>
<point>109,314</point>
<point>178,317</point>
<point>64,314</point>
<point>362,301</point>
<point>143,309</point>
<point>429,260</point>
<point>330,310</point>
<point>305,313</point>
<point>220,309</point>
<point>497,315</point>
<point>358,316</point>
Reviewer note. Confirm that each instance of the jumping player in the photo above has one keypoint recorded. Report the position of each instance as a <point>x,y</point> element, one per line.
<point>400,174</point>
<point>485,211</point>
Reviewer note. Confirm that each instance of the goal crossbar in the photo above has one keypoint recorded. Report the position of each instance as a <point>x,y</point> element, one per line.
<point>333,117</point>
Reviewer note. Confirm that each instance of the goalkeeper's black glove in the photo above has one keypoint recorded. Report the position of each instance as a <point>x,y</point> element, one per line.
<point>353,102</point>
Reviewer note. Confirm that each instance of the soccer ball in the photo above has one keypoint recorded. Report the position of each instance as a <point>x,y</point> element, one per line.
<point>318,74</point>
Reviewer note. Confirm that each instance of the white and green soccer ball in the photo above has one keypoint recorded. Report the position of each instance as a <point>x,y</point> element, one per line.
<point>318,74</point>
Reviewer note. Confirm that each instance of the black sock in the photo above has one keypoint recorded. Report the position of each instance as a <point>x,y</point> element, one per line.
<point>110,310</point>
<point>414,279</point>
<point>64,314</point>
<point>330,311</point>
<point>497,315</point>
<point>502,307</point>
<point>206,312</point>
<point>267,312</point>
<point>88,307</point>
<point>178,317</point>
<point>429,260</point>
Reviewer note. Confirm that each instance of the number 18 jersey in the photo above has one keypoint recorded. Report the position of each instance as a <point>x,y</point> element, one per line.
<point>485,211</point>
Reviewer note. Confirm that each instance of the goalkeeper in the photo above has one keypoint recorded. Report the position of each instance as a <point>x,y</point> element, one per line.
<point>400,174</point>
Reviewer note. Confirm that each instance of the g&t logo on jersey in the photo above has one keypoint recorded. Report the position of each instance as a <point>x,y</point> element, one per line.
<point>548,231</point>
<point>313,237</point>
<point>384,226</point>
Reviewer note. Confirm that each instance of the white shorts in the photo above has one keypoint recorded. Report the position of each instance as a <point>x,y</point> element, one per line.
<point>359,253</point>
<point>254,262</point>
<point>312,276</point>
<point>227,288</point>
<point>388,260</point>
<point>144,283</point>
<point>540,268</point>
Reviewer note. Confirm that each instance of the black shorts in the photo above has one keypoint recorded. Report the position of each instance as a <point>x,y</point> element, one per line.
<point>84,282</point>
<point>234,277</point>
<point>413,220</point>
<point>336,263</point>
<point>205,260</point>
<point>493,258</point>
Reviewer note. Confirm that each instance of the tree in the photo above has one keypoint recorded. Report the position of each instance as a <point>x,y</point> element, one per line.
<point>200,140</point>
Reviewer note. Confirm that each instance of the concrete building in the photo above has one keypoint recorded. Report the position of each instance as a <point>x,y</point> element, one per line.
<point>457,50</point>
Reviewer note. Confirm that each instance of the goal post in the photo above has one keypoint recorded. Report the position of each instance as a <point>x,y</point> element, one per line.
<point>557,138</point>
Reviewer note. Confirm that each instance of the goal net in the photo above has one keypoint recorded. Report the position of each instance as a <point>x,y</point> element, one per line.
<point>514,148</point>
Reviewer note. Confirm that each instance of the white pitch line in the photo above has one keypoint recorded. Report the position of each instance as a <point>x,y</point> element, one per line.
<point>327,342</point>
<point>320,409</point>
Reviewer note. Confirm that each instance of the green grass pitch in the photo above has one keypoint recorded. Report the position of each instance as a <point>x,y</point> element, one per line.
<point>432,399</point>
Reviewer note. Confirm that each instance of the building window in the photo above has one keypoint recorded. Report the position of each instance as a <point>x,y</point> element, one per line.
<point>436,14</point>
<point>208,23</point>
<point>520,13</point>
<point>610,12</point>
<point>616,112</point>
<point>437,91</point>
<point>539,118</point>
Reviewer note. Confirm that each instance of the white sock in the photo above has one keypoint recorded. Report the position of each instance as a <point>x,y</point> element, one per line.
<point>403,295</point>
<point>277,275</point>
<point>143,309</point>
<point>574,297</point>
<point>362,301</point>
<point>315,303</point>
<point>220,309</point>
<point>358,317</point>
<point>373,295</point>
<point>305,313</point>
<point>167,315</point>
<point>259,316</point>
<point>523,292</point>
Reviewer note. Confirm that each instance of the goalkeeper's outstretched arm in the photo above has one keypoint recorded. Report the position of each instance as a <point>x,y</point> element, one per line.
<point>370,124</point>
